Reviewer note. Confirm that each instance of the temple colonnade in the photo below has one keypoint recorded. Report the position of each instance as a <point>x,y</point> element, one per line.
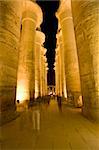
<point>60,67</point>
<point>10,16</point>
<point>40,66</point>
<point>86,24</point>
<point>64,15</point>
<point>21,45</point>
<point>80,37</point>
<point>24,64</point>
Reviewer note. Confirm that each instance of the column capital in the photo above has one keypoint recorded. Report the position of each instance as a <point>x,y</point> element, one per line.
<point>64,11</point>
<point>45,59</point>
<point>44,50</point>
<point>54,69</point>
<point>40,37</point>
<point>57,50</point>
<point>55,64</point>
<point>64,5</point>
<point>47,68</point>
<point>35,9</point>
<point>46,64</point>
<point>59,38</point>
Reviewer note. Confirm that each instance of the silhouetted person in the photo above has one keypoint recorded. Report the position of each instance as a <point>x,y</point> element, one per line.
<point>59,100</point>
<point>48,100</point>
<point>18,101</point>
<point>36,119</point>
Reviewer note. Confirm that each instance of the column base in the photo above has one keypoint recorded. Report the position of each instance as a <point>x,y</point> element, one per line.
<point>75,98</point>
<point>7,116</point>
<point>91,113</point>
<point>7,104</point>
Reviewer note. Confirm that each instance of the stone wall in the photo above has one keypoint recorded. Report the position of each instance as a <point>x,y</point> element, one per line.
<point>10,14</point>
<point>86,24</point>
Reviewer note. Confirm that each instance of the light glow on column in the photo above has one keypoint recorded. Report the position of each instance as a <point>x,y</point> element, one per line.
<point>65,93</point>
<point>36,89</point>
<point>22,93</point>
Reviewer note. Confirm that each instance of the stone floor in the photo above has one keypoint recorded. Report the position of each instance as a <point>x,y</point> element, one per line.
<point>47,127</point>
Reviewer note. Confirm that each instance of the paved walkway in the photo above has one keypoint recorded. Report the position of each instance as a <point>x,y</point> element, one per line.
<point>46,127</point>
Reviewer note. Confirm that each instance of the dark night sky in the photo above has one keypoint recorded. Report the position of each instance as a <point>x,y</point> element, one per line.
<point>49,27</point>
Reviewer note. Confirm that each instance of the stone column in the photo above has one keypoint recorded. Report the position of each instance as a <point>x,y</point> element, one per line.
<point>31,18</point>
<point>58,72</point>
<point>55,77</point>
<point>56,86</point>
<point>86,24</point>
<point>10,16</point>
<point>40,38</point>
<point>43,67</point>
<point>43,70</point>
<point>70,51</point>
<point>46,71</point>
<point>45,75</point>
<point>62,69</point>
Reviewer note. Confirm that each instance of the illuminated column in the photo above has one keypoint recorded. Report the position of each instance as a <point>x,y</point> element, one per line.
<point>59,74</point>
<point>43,68</point>
<point>40,38</point>
<point>42,74</point>
<point>45,75</point>
<point>10,16</point>
<point>70,52</point>
<point>86,24</point>
<point>43,51</point>
<point>31,18</point>
<point>46,72</point>
<point>56,73</point>
<point>62,69</point>
<point>55,76</point>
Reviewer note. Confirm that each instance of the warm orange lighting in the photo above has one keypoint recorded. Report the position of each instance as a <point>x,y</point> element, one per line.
<point>22,93</point>
<point>65,94</point>
<point>36,89</point>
